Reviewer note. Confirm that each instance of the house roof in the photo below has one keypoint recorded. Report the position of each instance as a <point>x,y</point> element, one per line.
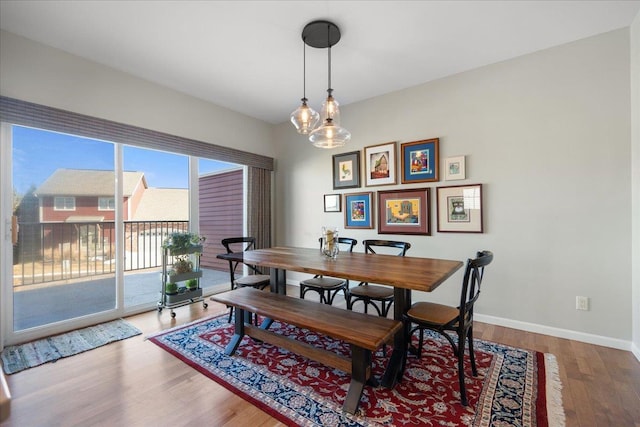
<point>86,182</point>
<point>163,204</point>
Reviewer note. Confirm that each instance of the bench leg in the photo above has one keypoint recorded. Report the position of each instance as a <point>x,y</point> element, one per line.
<point>266,323</point>
<point>360,367</point>
<point>240,318</point>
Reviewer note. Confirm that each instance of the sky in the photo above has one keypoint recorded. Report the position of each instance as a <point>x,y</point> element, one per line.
<point>38,153</point>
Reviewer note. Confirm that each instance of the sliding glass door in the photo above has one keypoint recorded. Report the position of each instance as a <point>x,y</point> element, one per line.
<point>63,259</point>
<point>90,218</point>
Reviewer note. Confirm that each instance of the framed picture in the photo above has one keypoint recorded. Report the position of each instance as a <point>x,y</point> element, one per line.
<point>420,161</point>
<point>332,203</point>
<point>380,164</point>
<point>404,212</point>
<point>454,168</point>
<point>358,212</point>
<point>346,170</point>
<point>460,209</point>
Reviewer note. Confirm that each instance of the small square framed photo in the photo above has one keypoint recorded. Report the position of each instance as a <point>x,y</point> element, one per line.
<point>358,212</point>
<point>454,168</point>
<point>460,209</point>
<point>332,203</point>
<point>404,212</point>
<point>346,170</point>
<point>380,164</point>
<point>420,161</point>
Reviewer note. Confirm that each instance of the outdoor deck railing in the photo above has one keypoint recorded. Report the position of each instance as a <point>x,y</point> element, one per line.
<point>63,251</point>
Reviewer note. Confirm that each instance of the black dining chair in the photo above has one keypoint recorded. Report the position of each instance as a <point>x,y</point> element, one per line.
<point>459,320</point>
<point>328,287</point>
<point>255,278</point>
<point>369,294</point>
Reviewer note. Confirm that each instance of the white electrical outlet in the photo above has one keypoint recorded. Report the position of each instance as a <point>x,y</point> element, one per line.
<point>582,303</point>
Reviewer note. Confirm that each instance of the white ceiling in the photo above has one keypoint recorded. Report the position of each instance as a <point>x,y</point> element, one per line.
<point>247,55</point>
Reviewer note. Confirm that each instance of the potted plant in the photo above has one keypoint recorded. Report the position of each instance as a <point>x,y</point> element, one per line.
<point>192,284</point>
<point>182,242</point>
<point>182,265</point>
<point>171,288</point>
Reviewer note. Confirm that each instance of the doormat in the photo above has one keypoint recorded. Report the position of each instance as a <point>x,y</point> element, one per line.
<point>17,358</point>
<point>514,386</point>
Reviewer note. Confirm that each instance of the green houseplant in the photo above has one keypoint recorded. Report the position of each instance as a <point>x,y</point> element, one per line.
<point>192,284</point>
<point>181,245</point>
<point>171,288</point>
<point>182,242</point>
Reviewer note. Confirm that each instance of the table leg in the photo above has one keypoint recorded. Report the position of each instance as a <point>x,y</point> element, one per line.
<point>278,286</point>
<point>279,281</point>
<point>395,367</point>
<point>240,318</point>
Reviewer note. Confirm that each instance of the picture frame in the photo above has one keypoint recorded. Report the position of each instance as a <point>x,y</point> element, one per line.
<point>332,203</point>
<point>380,164</point>
<point>358,210</point>
<point>346,170</point>
<point>420,161</point>
<point>459,209</point>
<point>454,168</point>
<point>404,211</point>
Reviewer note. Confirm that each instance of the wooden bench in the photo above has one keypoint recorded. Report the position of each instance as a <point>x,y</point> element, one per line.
<point>364,333</point>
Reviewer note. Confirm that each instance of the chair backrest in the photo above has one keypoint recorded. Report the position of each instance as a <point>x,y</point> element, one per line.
<point>235,245</point>
<point>471,283</point>
<point>370,246</point>
<point>239,244</point>
<point>346,243</point>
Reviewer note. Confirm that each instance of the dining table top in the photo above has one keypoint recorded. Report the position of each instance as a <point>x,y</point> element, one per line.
<point>416,273</point>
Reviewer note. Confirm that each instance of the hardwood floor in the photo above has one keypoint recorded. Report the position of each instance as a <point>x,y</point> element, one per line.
<point>135,383</point>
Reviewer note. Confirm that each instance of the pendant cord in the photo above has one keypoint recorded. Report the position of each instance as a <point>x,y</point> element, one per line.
<point>329,44</point>
<point>304,69</point>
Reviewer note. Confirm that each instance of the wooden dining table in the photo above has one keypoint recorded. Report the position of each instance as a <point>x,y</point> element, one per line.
<point>404,274</point>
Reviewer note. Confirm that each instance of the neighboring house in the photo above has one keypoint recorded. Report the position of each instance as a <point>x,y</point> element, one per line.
<point>74,195</point>
<point>77,209</point>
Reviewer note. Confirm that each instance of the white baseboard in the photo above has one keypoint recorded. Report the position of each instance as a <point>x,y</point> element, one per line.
<point>551,331</point>
<point>636,351</point>
<point>557,332</point>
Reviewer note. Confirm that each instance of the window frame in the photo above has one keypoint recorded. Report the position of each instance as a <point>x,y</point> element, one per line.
<point>64,206</point>
<point>111,204</point>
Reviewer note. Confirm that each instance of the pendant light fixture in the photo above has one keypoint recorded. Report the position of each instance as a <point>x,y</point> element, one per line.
<point>324,34</point>
<point>304,118</point>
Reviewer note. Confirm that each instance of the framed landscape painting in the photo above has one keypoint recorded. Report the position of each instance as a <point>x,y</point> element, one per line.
<point>420,161</point>
<point>346,170</point>
<point>404,212</point>
<point>460,209</point>
<point>380,164</point>
<point>358,212</point>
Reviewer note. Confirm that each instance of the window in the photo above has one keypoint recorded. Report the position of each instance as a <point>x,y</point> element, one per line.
<point>106,203</point>
<point>64,203</point>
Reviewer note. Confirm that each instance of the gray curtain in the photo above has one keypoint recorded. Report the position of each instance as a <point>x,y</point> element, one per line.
<point>259,206</point>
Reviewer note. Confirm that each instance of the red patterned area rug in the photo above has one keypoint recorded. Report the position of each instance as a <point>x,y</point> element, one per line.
<point>515,387</point>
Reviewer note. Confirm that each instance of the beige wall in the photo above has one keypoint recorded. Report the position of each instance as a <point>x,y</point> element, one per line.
<point>635,161</point>
<point>547,135</point>
<point>36,73</point>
